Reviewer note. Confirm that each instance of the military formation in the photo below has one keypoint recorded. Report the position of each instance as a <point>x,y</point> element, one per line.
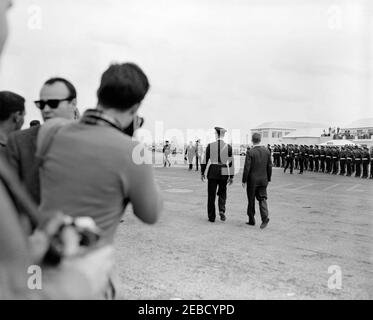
<point>345,160</point>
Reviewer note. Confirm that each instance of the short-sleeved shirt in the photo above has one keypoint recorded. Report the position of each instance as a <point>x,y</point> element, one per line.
<point>85,172</point>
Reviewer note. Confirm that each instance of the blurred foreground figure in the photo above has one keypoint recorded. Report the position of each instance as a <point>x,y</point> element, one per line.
<point>34,123</point>
<point>12,116</point>
<point>80,277</point>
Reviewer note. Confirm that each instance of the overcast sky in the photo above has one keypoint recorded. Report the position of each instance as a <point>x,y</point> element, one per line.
<point>220,62</point>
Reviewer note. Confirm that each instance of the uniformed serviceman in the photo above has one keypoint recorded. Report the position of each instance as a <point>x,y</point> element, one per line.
<point>296,157</point>
<point>317,158</point>
<point>371,163</point>
<point>220,173</point>
<point>289,159</point>
<point>277,155</point>
<point>301,159</point>
<point>283,156</point>
<point>328,159</point>
<point>311,158</point>
<point>365,161</point>
<point>335,160</point>
<point>342,161</point>
<point>322,159</point>
<point>306,157</point>
<point>349,157</point>
<point>357,156</point>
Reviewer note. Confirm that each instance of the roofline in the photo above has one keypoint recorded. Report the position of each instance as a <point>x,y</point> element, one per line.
<point>276,128</point>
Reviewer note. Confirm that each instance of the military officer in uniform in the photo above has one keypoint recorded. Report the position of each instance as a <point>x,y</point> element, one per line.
<point>301,159</point>
<point>322,159</point>
<point>365,161</point>
<point>349,158</point>
<point>317,158</point>
<point>342,161</point>
<point>335,160</point>
<point>296,157</point>
<point>277,155</point>
<point>328,159</point>
<point>371,163</point>
<point>306,157</point>
<point>311,156</point>
<point>289,159</point>
<point>357,156</point>
<point>283,156</point>
<point>220,173</point>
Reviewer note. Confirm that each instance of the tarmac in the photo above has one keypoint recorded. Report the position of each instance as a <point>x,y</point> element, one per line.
<point>318,244</point>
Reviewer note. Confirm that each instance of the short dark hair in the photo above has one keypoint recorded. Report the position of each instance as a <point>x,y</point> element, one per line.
<point>10,103</point>
<point>122,86</point>
<point>256,138</point>
<point>70,87</point>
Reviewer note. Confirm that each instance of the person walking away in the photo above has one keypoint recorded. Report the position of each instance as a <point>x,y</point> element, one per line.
<point>256,176</point>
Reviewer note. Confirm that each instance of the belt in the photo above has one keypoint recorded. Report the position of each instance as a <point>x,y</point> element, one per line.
<point>349,158</point>
<point>365,158</point>
<point>322,156</point>
<point>328,156</point>
<point>316,156</point>
<point>334,157</point>
<point>343,158</point>
<point>357,159</point>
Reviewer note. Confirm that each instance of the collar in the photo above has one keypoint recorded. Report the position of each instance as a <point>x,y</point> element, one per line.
<point>98,117</point>
<point>3,139</point>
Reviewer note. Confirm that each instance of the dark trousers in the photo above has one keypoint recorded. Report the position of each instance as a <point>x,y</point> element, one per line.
<point>289,162</point>
<point>221,186</point>
<point>283,160</point>
<point>342,164</point>
<point>317,164</point>
<point>335,166</point>
<point>322,164</point>
<point>190,166</point>
<point>358,168</point>
<point>296,163</point>
<point>365,168</point>
<point>305,163</point>
<point>349,167</point>
<point>311,163</point>
<point>328,165</point>
<point>301,165</point>
<point>197,162</point>
<point>260,193</point>
<point>371,168</point>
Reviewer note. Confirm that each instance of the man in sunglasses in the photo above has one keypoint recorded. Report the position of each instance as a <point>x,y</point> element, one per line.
<point>58,99</point>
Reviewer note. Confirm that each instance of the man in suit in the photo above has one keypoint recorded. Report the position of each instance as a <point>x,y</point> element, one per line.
<point>57,100</point>
<point>12,116</point>
<point>220,173</point>
<point>257,173</point>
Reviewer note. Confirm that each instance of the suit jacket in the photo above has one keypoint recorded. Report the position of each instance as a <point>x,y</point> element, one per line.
<point>220,154</point>
<point>258,167</point>
<point>20,152</point>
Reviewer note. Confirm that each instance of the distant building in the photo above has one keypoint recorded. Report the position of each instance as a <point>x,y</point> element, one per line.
<point>361,131</point>
<point>308,137</point>
<point>275,132</point>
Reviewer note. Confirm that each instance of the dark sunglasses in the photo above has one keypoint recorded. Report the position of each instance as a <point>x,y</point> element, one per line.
<point>53,103</point>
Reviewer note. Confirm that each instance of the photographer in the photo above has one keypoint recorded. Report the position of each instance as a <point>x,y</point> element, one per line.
<point>89,168</point>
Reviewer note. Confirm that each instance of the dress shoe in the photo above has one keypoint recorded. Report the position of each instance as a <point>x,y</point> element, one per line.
<point>250,223</point>
<point>211,220</point>
<point>264,224</point>
<point>222,216</point>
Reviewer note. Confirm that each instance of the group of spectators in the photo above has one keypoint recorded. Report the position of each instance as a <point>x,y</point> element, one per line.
<point>54,174</point>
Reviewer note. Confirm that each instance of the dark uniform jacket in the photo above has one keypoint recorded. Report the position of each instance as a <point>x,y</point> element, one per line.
<point>20,152</point>
<point>220,154</point>
<point>258,167</point>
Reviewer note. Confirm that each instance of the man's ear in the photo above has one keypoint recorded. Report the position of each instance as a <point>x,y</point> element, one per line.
<point>74,102</point>
<point>134,108</point>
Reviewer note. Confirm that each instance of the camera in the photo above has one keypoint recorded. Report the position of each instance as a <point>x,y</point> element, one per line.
<point>137,123</point>
<point>72,235</point>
